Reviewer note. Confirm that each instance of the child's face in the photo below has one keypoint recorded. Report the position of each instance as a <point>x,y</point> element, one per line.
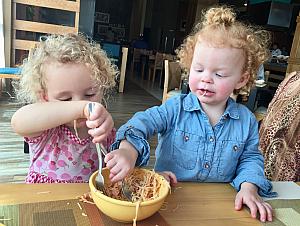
<point>216,72</point>
<point>69,82</point>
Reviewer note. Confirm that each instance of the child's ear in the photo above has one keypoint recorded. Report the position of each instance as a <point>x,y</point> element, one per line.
<point>43,96</point>
<point>243,80</point>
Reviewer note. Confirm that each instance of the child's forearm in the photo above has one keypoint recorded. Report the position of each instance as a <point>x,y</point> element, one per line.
<point>128,146</point>
<point>33,119</point>
<point>132,152</point>
<point>249,186</point>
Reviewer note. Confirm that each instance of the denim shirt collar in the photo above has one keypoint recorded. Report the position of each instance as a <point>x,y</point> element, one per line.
<point>191,103</point>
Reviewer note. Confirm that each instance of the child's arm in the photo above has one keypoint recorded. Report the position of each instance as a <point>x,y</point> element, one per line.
<point>121,161</point>
<point>31,120</point>
<point>136,132</point>
<point>248,195</point>
<point>250,180</point>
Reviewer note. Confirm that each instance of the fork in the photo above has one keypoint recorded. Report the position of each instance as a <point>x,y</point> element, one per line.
<point>99,180</point>
<point>126,190</point>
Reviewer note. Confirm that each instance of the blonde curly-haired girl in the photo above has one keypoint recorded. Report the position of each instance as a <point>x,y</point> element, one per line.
<point>62,76</point>
<point>205,136</point>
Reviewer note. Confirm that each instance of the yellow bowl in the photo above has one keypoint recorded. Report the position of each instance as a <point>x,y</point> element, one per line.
<point>124,211</point>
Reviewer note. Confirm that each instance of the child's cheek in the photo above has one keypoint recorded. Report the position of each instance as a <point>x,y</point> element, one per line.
<point>96,98</point>
<point>193,83</point>
<point>224,89</point>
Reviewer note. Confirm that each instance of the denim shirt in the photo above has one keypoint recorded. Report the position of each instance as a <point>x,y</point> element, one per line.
<point>193,149</point>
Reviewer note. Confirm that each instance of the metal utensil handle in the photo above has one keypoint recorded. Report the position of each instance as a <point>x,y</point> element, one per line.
<point>103,149</point>
<point>100,148</point>
<point>99,155</point>
<point>91,107</point>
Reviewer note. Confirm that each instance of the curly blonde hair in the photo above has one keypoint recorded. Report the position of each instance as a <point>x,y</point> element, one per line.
<point>220,28</point>
<point>68,48</point>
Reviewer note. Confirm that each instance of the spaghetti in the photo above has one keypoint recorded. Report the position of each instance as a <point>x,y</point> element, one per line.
<point>145,185</point>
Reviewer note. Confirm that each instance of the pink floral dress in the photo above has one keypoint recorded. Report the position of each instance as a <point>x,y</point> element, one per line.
<point>58,156</point>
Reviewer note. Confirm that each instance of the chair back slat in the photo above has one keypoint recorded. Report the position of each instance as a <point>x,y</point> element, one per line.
<point>172,78</point>
<point>174,75</point>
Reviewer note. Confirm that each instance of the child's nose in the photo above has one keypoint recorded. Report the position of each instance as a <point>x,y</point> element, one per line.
<point>206,77</point>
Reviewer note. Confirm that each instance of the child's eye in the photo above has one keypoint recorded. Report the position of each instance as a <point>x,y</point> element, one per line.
<point>219,75</point>
<point>198,70</point>
<point>90,95</point>
<point>65,99</point>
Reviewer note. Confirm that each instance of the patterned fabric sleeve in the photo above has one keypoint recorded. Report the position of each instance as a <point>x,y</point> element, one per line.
<point>280,132</point>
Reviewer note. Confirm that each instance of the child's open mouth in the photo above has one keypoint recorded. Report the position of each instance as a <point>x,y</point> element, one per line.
<point>205,92</point>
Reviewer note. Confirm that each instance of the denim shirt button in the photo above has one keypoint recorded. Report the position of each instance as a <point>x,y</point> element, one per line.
<point>129,127</point>
<point>211,139</point>
<point>186,138</point>
<point>235,148</point>
<point>206,165</point>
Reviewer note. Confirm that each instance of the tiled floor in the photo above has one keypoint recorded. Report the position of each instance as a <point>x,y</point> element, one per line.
<point>152,88</point>
<point>149,86</point>
<point>13,162</point>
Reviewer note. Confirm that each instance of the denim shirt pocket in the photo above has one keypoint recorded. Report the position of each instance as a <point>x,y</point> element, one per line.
<point>185,149</point>
<point>229,158</point>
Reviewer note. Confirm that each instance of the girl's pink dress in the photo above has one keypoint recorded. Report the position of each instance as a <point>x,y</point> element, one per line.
<point>58,156</point>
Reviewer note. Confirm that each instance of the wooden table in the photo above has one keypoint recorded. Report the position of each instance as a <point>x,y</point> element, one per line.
<point>189,204</point>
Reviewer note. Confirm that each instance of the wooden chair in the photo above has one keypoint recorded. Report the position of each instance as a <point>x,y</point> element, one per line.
<point>172,79</point>
<point>36,26</point>
<point>23,31</point>
<point>136,59</point>
<point>146,57</point>
<point>11,73</point>
<point>123,69</point>
<point>13,76</point>
<point>159,65</point>
<point>8,73</point>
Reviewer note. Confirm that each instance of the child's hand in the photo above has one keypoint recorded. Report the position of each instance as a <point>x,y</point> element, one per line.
<point>169,176</point>
<point>121,161</point>
<point>99,120</point>
<point>248,195</point>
